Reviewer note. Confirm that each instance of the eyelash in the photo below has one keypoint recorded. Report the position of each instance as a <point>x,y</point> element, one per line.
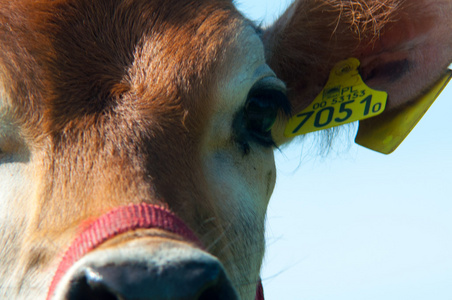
<point>254,122</point>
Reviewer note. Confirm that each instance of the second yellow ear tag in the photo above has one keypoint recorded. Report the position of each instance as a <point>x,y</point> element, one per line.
<point>344,99</point>
<point>386,132</point>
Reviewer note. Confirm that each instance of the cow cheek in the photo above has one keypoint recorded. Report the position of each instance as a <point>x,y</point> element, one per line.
<point>241,185</point>
<point>241,182</point>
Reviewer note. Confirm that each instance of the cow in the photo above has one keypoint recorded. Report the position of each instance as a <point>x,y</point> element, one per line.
<point>137,136</point>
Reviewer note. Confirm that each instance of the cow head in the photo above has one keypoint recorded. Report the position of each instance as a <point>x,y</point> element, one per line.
<point>166,107</point>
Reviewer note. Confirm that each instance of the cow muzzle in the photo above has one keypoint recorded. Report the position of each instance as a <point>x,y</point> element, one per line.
<point>148,264</point>
<point>145,269</point>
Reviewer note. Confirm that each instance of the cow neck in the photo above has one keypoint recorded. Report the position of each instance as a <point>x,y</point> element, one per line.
<point>121,220</point>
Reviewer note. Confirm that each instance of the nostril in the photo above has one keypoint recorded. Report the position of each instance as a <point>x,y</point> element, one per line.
<point>90,286</point>
<point>221,289</point>
<point>190,280</point>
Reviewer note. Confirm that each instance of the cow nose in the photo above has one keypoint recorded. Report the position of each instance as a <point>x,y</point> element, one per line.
<point>200,279</point>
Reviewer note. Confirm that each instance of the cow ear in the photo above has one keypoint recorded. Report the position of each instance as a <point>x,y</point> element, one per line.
<point>403,47</point>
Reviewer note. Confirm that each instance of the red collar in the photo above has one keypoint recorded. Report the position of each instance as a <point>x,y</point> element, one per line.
<point>121,220</point>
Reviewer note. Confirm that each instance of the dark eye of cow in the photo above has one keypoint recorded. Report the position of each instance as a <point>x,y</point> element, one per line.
<point>261,109</point>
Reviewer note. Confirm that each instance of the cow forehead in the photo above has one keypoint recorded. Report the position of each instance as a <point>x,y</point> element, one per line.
<point>75,56</point>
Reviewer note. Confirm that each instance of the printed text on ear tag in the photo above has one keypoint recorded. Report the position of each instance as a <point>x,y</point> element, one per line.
<point>344,99</point>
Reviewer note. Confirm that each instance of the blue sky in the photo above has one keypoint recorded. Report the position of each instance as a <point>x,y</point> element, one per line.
<point>357,224</point>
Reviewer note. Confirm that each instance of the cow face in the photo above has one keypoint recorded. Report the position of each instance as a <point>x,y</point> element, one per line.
<point>171,105</point>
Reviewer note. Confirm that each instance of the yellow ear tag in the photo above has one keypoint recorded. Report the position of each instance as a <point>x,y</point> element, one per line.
<point>344,99</point>
<point>386,132</point>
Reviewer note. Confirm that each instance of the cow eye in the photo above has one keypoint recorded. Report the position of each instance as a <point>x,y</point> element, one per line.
<point>265,100</point>
<point>261,110</point>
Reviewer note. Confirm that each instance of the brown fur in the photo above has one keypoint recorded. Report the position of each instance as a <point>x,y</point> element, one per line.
<point>117,115</point>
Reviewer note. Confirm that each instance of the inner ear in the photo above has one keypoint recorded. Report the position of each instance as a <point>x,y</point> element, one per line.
<point>385,70</point>
<point>397,49</point>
